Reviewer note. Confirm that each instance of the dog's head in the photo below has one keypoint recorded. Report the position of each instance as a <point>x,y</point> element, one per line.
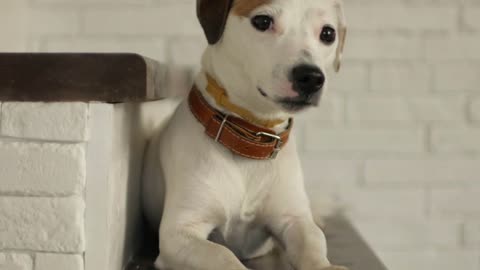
<point>283,47</point>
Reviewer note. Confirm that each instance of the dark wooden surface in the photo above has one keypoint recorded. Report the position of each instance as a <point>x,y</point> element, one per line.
<point>345,247</point>
<point>73,77</point>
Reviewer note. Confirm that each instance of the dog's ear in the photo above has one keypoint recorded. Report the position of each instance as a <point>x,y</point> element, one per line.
<point>342,33</point>
<point>213,15</point>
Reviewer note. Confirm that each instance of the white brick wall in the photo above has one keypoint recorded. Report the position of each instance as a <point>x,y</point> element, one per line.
<point>397,138</point>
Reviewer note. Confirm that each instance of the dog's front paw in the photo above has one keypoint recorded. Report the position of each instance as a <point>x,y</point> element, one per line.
<point>335,267</point>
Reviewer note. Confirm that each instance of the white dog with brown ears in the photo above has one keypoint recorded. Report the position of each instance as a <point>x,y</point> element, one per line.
<point>223,180</point>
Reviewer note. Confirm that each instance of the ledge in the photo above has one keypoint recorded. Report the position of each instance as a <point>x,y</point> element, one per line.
<point>77,77</point>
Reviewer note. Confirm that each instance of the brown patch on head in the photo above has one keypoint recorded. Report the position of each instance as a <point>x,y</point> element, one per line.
<point>243,8</point>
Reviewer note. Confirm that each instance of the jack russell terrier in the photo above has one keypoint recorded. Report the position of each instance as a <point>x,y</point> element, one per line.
<point>222,180</point>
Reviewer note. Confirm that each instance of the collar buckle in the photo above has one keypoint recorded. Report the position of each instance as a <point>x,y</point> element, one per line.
<point>278,144</point>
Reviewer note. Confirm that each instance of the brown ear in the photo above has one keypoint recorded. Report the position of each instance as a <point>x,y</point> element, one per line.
<point>342,33</point>
<point>213,15</point>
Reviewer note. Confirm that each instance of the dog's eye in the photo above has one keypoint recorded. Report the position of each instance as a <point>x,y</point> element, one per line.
<point>262,22</point>
<point>328,35</point>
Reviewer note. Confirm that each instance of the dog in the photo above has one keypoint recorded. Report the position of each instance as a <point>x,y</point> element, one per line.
<point>222,179</point>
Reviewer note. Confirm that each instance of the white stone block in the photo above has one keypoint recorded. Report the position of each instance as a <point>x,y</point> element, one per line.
<point>364,139</point>
<point>404,110</point>
<point>47,121</point>
<point>15,261</point>
<point>383,47</point>
<point>42,224</point>
<point>42,169</point>
<point>456,140</point>
<point>472,234</point>
<point>456,202</point>
<point>400,77</point>
<point>475,110</point>
<point>418,172</point>
<point>392,16</point>
<point>170,19</point>
<point>384,203</point>
<point>471,15</point>
<point>45,261</point>
<point>454,47</point>
<point>456,77</point>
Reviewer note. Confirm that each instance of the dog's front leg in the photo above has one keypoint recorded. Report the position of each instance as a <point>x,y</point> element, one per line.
<point>188,248</point>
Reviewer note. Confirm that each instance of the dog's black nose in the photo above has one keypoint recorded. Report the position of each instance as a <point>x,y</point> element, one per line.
<point>307,79</point>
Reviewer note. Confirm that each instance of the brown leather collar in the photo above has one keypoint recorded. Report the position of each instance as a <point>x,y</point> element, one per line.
<point>236,134</point>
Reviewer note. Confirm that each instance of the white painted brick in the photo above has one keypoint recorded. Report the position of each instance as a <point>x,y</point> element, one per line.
<point>152,48</point>
<point>400,77</point>
<point>14,261</point>
<point>170,19</point>
<point>405,234</point>
<point>457,77</point>
<point>187,51</point>
<point>475,109</point>
<point>330,174</point>
<point>384,203</point>
<point>53,21</point>
<point>472,17</point>
<point>42,169</point>
<point>472,234</point>
<point>405,109</point>
<point>352,77</point>
<point>431,259</point>
<point>49,121</point>
<point>42,224</point>
<point>44,261</point>
<point>465,140</point>
<point>455,202</point>
<point>364,139</point>
<point>381,47</point>
<point>420,172</point>
<point>14,39</point>
<point>462,47</point>
<point>330,110</point>
<point>393,17</point>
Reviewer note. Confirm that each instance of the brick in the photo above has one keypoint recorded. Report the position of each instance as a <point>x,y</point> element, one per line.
<point>472,234</point>
<point>48,121</point>
<point>14,261</point>
<point>14,39</point>
<point>475,110</point>
<point>420,172</point>
<point>44,261</point>
<point>352,77</point>
<point>364,139</point>
<point>431,259</point>
<point>330,110</point>
<point>330,174</point>
<point>471,17</point>
<point>455,202</point>
<point>457,77</point>
<point>42,224</point>
<point>400,77</point>
<point>152,48</point>
<point>170,19</point>
<point>405,110</point>
<point>42,169</point>
<point>53,21</point>
<point>384,203</point>
<point>465,140</point>
<point>464,47</point>
<point>392,17</point>
<point>187,51</point>
<point>383,47</point>
<point>401,234</point>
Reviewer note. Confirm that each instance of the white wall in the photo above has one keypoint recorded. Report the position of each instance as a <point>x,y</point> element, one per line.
<point>397,137</point>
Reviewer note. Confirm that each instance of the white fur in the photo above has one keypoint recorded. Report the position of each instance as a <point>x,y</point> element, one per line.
<point>194,186</point>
